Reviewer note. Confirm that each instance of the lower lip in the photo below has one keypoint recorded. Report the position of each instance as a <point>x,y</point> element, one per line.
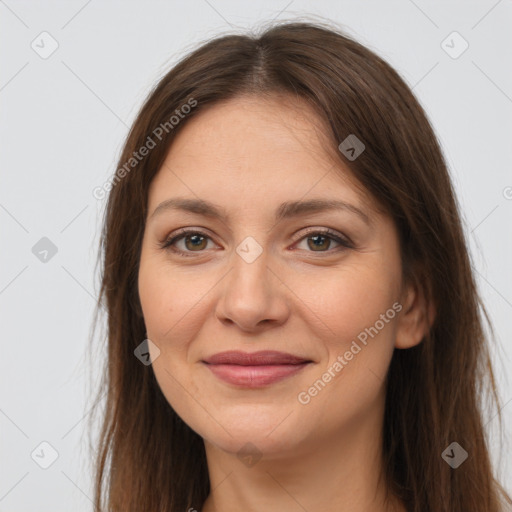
<point>254,376</point>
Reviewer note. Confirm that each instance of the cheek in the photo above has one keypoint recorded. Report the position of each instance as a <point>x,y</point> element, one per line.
<point>174,305</point>
<point>168,300</point>
<point>156,292</point>
<point>355,312</point>
<point>171,321</point>
<point>342,304</point>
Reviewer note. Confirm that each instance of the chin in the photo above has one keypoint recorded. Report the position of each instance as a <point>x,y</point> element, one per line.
<point>264,437</point>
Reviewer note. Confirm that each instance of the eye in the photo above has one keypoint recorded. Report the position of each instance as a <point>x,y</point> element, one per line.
<point>194,241</point>
<point>319,240</point>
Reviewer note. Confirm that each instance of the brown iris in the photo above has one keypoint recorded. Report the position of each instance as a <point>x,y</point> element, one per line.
<point>196,243</point>
<point>315,246</point>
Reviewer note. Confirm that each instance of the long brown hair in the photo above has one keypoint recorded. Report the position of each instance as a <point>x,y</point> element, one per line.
<point>148,459</point>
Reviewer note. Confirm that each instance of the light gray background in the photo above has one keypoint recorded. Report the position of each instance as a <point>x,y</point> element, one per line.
<point>64,118</point>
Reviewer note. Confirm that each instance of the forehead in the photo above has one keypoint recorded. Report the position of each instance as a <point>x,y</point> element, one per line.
<point>241,127</point>
<point>260,146</point>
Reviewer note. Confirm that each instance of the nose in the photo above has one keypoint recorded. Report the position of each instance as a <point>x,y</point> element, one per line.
<point>253,296</point>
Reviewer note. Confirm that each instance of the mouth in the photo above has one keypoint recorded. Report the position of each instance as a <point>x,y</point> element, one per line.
<point>253,370</point>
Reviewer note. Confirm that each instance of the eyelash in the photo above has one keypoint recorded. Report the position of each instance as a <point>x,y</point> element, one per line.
<point>167,244</point>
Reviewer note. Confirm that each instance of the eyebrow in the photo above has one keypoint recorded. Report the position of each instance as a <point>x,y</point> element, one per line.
<point>286,210</point>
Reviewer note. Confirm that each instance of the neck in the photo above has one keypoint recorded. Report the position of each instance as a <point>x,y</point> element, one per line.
<point>341,472</point>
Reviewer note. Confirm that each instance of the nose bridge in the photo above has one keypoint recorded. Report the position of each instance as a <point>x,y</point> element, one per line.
<point>250,272</point>
<point>252,293</point>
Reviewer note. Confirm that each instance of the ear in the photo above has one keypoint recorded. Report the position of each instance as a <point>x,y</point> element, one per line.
<point>415,318</point>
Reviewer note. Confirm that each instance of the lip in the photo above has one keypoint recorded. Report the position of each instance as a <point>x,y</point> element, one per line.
<point>255,369</point>
<point>263,357</point>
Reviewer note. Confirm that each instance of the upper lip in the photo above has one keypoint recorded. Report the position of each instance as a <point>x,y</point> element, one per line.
<point>264,357</point>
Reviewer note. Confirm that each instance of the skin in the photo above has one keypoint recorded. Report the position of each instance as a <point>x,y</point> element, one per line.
<point>248,155</point>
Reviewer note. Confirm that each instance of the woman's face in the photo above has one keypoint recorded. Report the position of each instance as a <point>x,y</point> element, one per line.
<point>262,276</point>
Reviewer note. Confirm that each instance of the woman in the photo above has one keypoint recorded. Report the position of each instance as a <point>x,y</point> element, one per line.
<point>293,322</point>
